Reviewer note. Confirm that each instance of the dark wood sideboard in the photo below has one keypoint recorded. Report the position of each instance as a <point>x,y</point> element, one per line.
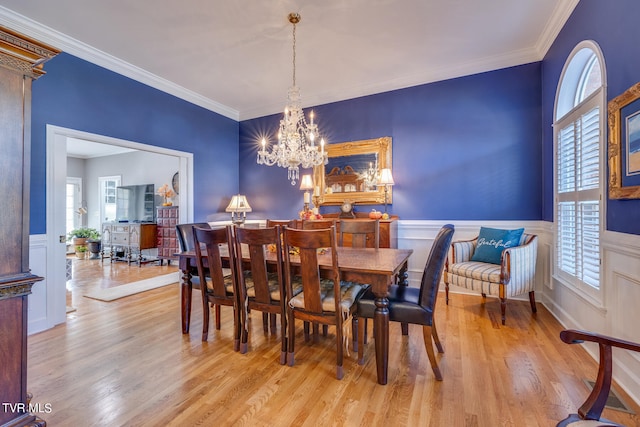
<point>388,227</point>
<point>21,61</point>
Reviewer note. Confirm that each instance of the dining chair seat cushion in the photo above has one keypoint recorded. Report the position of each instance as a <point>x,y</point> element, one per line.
<point>274,287</point>
<point>349,292</point>
<point>404,306</point>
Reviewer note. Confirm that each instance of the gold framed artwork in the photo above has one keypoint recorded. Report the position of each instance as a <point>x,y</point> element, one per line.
<point>351,172</point>
<point>624,145</point>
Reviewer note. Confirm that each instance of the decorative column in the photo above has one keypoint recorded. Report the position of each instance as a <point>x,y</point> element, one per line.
<point>21,61</point>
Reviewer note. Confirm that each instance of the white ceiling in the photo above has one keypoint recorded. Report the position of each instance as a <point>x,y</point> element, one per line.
<point>235,57</point>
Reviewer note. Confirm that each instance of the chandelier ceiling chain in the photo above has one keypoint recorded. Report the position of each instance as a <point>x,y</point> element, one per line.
<point>296,138</point>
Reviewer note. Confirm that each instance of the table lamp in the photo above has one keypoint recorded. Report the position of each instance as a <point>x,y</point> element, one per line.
<point>238,205</point>
<point>386,179</point>
<point>306,184</point>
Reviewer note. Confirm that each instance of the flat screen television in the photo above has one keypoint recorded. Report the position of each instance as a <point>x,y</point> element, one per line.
<point>136,203</point>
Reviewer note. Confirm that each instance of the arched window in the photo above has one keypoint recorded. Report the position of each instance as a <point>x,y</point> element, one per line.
<point>579,146</point>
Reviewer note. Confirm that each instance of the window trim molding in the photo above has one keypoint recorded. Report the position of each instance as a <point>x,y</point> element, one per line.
<point>594,296</point>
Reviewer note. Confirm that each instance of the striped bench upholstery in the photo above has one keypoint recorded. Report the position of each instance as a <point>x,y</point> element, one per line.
<point>515,275</point>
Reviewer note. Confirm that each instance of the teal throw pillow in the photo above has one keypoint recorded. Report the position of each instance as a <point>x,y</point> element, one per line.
<point>492,241</point>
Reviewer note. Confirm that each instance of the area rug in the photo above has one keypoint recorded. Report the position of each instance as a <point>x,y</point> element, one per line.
<point>117,292</point>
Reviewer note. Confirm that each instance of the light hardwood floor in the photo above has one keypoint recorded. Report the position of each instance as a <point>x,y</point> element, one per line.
<point>126,363</point>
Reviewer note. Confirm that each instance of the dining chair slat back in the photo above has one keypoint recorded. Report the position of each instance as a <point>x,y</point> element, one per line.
<point>217,287</point>
<point>258,288</point>
<point>324,298</point>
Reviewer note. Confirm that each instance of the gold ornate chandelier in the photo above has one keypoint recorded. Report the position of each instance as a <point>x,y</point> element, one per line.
<point>296,138</point>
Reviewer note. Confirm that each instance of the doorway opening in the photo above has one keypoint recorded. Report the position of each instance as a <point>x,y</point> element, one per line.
<point>56,205</point>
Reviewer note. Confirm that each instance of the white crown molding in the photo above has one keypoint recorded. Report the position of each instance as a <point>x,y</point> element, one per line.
<point>74,47</point>
<point>31,28</point>
<point>559,17</point>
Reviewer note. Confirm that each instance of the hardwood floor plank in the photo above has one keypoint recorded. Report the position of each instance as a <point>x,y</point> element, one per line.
<point>125,363</point>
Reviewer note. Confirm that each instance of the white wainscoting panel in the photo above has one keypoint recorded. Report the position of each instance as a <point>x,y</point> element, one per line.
<point>37,300</point>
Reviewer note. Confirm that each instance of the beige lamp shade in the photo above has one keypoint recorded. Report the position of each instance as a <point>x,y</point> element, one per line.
<point>238,203</point>
<point>385,177</point>
<point>306,183</point>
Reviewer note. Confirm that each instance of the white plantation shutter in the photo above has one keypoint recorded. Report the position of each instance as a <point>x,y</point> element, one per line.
<point>578,193</point>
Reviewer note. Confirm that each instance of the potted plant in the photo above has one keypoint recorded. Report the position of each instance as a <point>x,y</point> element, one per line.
<point>79,236</point>
<point>81,251</point>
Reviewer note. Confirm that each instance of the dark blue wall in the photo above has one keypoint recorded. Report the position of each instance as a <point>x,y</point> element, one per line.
<point>463,149</point>
<point>79,95</point>
<point>614,26</point>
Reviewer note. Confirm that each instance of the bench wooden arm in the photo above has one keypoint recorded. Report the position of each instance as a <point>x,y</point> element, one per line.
<point>592,408</point>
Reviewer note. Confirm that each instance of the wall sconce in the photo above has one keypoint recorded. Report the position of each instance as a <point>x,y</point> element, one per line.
<point>306,184</point>
<point>386,179</point>
<point>237,206</point>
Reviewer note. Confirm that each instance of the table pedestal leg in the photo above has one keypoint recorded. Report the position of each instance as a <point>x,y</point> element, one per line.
<point>381,332</point>
<point>186,289</point>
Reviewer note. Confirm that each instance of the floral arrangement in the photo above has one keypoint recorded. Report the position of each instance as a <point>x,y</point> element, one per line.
<point>167,193</point>
<point>308,214</point>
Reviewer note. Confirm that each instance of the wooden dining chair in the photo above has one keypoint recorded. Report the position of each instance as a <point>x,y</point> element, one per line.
<point>184,233</point>
<point>413,305</point>
<point>259,289</point>
<point>217,288</point>
<point>324,299</point>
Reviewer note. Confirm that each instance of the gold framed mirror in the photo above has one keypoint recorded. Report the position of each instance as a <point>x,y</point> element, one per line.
<point>352,171</point>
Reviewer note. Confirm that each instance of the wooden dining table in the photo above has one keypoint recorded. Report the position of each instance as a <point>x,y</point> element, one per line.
<point>378,267</point>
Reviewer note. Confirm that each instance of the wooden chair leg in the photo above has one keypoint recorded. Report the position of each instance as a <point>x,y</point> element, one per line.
<point>291,337</point>
<point>316,333</point>
<point>306,331</point>
<point>354,332</point>
<point>240,333</point>
<point>283,338</point>
<point>325,330</point>
<point>446,293</point>
<point>436,339</point>
<point>362,323</point>
<point>205,319</point>
<point>366,329</point>
<point>339,350</point>
<point>243,334</point>
<point>265,322</point>
<point>217,309</point>
<point>428,345</point>
<point>405,328</point>
<point>272,320</point>
<point>532,301</point>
